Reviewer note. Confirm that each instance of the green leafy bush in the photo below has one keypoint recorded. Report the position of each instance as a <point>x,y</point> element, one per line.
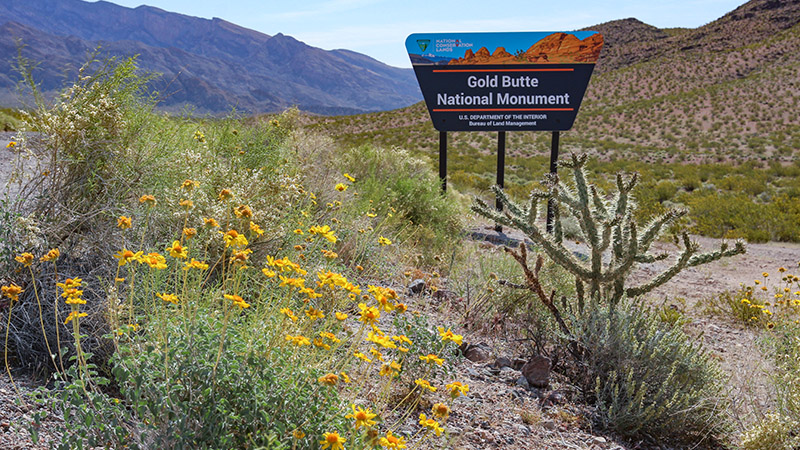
<point>254,393</point>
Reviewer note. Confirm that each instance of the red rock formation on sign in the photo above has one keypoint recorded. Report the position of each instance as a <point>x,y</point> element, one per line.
<point>565,48</point>
<point>500,52</point>
<point>560,48</point>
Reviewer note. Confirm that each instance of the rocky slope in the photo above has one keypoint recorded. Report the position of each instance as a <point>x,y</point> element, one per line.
<point>210,66</point>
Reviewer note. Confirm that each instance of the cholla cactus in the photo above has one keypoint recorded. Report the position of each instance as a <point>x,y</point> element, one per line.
<point>607,227</point>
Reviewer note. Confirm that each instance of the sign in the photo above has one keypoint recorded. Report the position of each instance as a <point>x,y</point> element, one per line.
<point>504,81</point>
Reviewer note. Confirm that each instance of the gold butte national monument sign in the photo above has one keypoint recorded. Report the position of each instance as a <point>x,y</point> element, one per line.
<point>526,81</point>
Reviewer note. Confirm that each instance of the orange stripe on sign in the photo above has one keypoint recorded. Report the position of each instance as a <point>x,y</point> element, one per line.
<point>503,109</point>
<point>504,70</point>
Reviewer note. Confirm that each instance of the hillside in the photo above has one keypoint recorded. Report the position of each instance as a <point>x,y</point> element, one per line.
<point>726,91</point>
<point>210,66</point>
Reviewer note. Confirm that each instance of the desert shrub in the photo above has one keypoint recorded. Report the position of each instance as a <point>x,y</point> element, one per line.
<point>650,378</point>
<point>627,360</point>
<point>778,428</point>
<point>251,395</point>
<point>404,191</point>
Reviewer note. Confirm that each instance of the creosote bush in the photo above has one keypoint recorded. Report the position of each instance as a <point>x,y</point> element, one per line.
<point>632,365</point>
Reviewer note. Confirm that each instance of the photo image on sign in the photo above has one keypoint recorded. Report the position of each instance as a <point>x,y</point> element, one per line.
<point>555,48</point>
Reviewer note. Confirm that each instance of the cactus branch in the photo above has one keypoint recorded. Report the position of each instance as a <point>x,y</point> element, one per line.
<point>532,280</point>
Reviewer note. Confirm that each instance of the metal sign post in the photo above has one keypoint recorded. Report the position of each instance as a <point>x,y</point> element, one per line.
<point>443,160</point>
<point>501,170</point>
<point>551,203</point>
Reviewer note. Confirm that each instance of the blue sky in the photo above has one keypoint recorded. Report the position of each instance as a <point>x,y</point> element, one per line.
<point>378,28</point>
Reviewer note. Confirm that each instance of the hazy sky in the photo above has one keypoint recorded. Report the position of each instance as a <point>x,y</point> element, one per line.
<point>378,28</point>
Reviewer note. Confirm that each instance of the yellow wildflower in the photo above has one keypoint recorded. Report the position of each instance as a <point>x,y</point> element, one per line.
<point>155,261</point>
<point>234,239</point>
<point>457,388</point>
<point>450,336</point>
<point>176,250</point>
<point>26,259</point>
<point>289,313</point>
<point>340,316</point>
<point>52,255</point>
<point>329,254</point>
<point>195,264</point>
<point>390,370</point>
<point>11,291</point>
<point>383,241</point>
<point>186,204</point>
<point>240,257</point>
<point>425,384</point>
<point>11,145</point>
<point>329,380</point>
<point>431,358</point>
<point>171,298</point>
<point>190,232</point>
<point>74,315</point>
<point>189,185</point>
<point>363,417</point>
<point>124,222</point>
<point>125,256</point>
<point>330,336</point>
<point>237,300</point>
<point>369,314</point>
<point>243,211</point>
<point>333,440</point>
<point>361,356</point>
<point>225,195</point>
<point>298,340</point>
<point>341,187</point>
<point>349,178</point>
<point>210,222</point>
<point>383,341</point>
<point>377,354</point>
<point>324,231</point>
<point>314,313</point>
<point>431,424</point>
<point>268,273</point>
<point>149,199</point>
<point>441,410</point>
<point>298,283</point>
<point>392,441</point>
<point>256,229</point>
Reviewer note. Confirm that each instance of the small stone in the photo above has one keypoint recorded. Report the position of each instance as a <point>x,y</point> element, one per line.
<point>552,399</point>
<point>417,286</point>
<point>548,425</point>
<point>478,352</point>
<point>522,429</point>
<point>523,382</point>
<point>503,362</point>
<point>485,435</point>
<point>537,371</point>
<point>599,440</point>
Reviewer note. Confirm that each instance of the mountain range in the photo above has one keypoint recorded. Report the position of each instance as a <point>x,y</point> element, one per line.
<point>209,66</point>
